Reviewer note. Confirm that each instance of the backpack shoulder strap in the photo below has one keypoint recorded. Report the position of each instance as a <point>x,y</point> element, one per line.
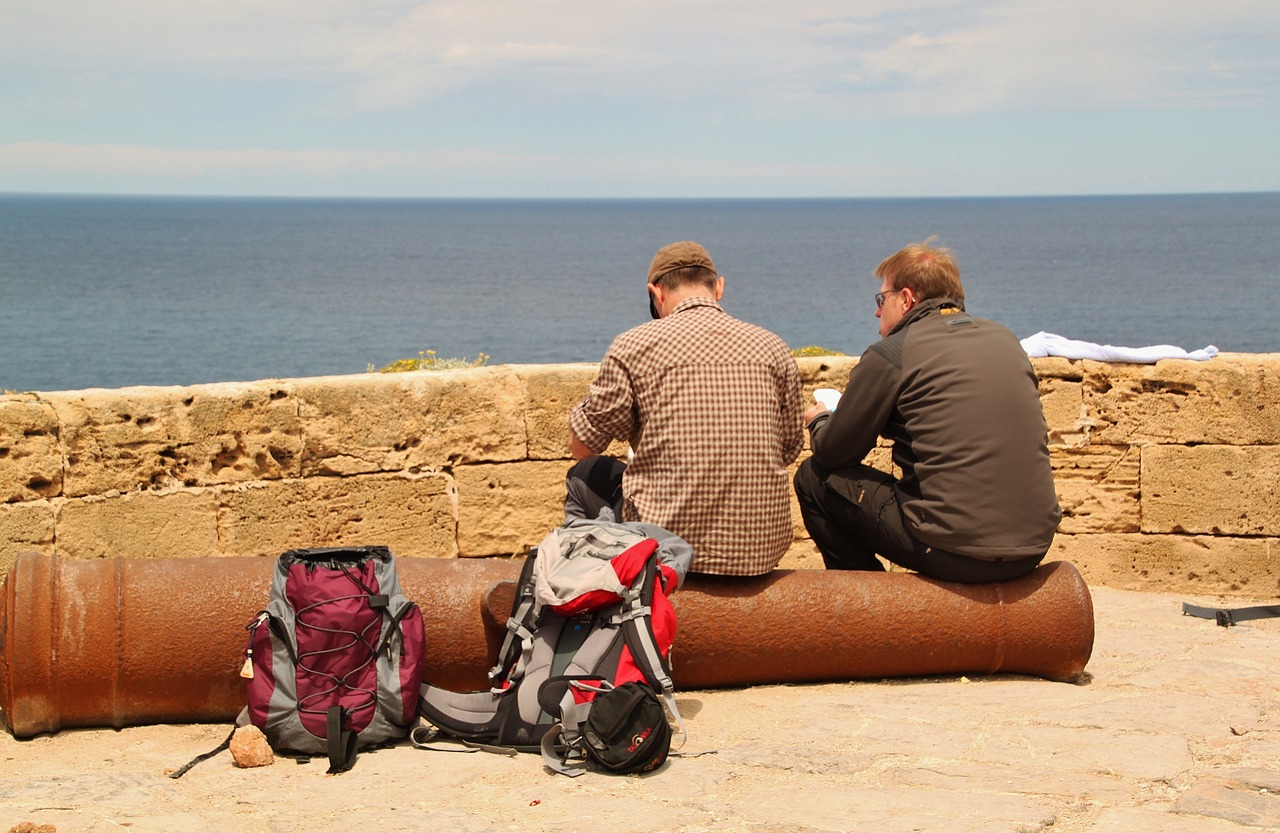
<point>517,643</point>
<point>637,630</point>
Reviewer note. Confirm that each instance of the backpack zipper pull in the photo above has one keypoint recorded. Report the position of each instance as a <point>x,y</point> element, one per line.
<point>246,670</point>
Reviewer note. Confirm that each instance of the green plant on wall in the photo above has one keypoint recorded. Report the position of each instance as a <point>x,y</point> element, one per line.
<point>428,360</point>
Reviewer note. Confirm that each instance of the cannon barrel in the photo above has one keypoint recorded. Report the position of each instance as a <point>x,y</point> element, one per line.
<point>120,642</point>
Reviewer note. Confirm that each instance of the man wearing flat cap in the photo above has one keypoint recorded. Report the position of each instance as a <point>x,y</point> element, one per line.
<point>711,408</point>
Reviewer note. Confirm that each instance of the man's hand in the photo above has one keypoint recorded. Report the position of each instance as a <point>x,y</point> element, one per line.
<point>577,448</point>
<point>815,410</point>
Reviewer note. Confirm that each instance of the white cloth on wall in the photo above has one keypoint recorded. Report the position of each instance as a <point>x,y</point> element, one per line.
<point>1047,344</point>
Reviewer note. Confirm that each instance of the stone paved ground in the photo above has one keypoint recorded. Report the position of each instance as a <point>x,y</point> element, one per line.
<point>1178,729</point>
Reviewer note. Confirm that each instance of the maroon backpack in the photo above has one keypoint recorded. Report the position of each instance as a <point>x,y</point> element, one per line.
<point>335,661</point>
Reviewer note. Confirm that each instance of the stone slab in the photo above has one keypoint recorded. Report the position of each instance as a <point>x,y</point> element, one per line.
<point>1098,488</point>
<point>1210,564</point>
<point>1233,399</point>
<point>25,527</point>
<point>550,391</point>
<point>178,524</point>
<point>1211,490</point>
<point>30,449</point>
<point>505,509</point>
<point>411,514</point>
<point>411,421</point>
<point>135,439</point>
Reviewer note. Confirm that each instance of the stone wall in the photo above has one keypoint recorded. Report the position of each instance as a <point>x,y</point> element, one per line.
<point>1166,473</point>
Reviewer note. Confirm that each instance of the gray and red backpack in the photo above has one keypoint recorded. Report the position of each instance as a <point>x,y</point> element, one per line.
<point>335,661</point>
<point>582,675</point>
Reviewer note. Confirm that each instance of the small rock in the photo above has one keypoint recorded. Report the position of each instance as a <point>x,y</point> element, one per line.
<point>249,747</point>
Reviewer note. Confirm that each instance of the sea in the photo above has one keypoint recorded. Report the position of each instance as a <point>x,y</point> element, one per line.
<point>114,291</point>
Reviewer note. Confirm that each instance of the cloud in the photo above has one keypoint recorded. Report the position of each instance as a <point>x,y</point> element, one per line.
<point>319,93</point>
<point>914,57</point>
<point>259,171</point>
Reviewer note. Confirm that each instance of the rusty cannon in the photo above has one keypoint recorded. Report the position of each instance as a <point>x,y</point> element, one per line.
<point>120,642</point>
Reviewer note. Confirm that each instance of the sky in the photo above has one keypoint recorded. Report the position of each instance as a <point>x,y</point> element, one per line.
<point>569,98</point>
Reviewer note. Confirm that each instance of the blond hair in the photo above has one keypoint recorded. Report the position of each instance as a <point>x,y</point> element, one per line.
<point>929,271</point>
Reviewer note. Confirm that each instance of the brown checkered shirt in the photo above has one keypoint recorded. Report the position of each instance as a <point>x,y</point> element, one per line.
<point>711,406</point>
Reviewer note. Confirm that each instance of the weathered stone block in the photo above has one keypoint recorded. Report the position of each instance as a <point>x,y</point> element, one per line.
<point>25,527</point>
<point>824,372</point>
<point>549,392</point>
<point>802,555</point>
<point>139,525</point>
<point>413,515</point>
<point>30,456</point>
<point>1097,488</point>
<point>1063,407</point>
<point>504,509</point>
<point>157,438</point>
<point>1215,489</point>
<point>411,421</point>
<point>1233,400</point>
<point>1197,564</point>
<point>1056,367</point>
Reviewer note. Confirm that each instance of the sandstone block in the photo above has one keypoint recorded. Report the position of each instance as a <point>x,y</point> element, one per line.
<point>1056,367</point>
<point>1097,488</point>
<point>411,421</point>
<point>824,372</point>
<point>1222,490</point>
<point>1233,400</point>
<point>411,514</point>
<point>157,438</point>
<point>139,525</point>
<point>30,456</point>
<point>1243,796</point>
<point>25,527</point>
<point>549,392</point>
<point>1064,412</point>
<point>504,509</point>
<point>802,555</point>
<point>1198,564</point>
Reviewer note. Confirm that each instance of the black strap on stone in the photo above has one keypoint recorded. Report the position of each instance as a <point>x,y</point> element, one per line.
<point>1226,617</point>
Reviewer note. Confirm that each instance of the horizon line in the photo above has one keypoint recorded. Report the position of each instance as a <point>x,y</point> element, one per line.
<point>545,198</point>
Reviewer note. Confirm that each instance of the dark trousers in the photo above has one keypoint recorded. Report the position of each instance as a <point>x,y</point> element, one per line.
<point>851,533</point>
<point>592,484</point>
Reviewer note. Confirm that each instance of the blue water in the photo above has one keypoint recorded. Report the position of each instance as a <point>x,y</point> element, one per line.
<point>115,291</point>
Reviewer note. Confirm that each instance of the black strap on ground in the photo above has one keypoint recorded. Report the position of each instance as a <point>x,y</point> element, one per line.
<point>178,773</point>
<point>1226,617</point>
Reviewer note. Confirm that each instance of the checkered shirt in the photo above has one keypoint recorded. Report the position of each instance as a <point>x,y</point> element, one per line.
<point>711,406</point>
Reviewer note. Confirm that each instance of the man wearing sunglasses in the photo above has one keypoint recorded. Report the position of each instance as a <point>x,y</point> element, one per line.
<point>711,408</point>
<point>958,399</point>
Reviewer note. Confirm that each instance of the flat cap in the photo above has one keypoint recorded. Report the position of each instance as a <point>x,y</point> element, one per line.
<point>679,256</point>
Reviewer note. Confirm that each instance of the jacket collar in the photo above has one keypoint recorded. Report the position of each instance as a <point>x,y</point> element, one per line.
<point>923,309</point>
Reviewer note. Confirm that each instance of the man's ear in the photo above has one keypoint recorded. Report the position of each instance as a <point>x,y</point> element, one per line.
<point>719,287</point>
<point>654,289</point>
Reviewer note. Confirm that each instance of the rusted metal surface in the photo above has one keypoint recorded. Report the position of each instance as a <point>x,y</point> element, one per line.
<point>123,642</point>
<point>812,625</point>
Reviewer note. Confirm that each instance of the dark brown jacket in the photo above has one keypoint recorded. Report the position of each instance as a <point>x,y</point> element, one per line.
<point>958,398</point>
